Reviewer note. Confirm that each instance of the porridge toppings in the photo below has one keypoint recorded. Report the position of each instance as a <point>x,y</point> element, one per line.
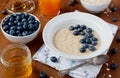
<point>89,41</point>
<point>77,40</point>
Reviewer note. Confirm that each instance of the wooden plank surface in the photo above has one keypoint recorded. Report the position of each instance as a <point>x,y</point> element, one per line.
<point>36,43</point>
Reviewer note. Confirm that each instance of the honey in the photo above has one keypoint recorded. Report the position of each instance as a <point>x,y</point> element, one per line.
<point>16,62</point>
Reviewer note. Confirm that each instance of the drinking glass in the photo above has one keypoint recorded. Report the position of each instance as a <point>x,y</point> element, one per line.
<point>16,61</point>
<point>49,8</point>
<point>21,6</point>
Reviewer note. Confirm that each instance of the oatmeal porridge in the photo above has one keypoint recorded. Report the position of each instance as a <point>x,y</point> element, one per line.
<point>66,41</point>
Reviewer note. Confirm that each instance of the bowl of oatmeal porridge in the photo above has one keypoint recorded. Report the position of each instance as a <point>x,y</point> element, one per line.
<point>63,36</point>
<point>95,6</point>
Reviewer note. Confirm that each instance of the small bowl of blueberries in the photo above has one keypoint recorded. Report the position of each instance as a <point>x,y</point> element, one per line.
<point>20,27</point>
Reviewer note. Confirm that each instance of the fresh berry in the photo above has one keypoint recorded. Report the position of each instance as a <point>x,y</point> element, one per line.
<point>113,66</point>
<point>82,33</point>
<point>94,43</point>
<point>118,39</point>
<point>85,45</point>
<point>113,9</point>
<point>5,27</point>
<point>88,41</point>
<point>113,51</point>
<point>79,29</point>
<point>77,26</point>
<point>83,26</point>
<point>43,75</point>
<point>76,33</point>
<point>89,30</point>
<point>12,32</point>
<point>71,28</point>
<point>114,19</point>
<point>82,41</point>
<point>82,49</point>
<point>94,39</point>
<point>71,3</point>
<point>75,1</point>
<point>92,48</point>
<point>4,12</point>
<point>54,59</point>
<point>90,35</point>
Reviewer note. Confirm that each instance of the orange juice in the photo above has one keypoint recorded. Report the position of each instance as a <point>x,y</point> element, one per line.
<point>49,8</point>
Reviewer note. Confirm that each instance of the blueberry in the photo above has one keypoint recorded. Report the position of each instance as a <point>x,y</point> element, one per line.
<point>12,19</point>
<point>10,23</point>
<point>82,49</point>
<point>114,19</point>
<point>31,22</point>
<point>7,31</point>
<point>82,41</point>
<point>4,23</point>
<point>18,32</point>
<point>31,18</point>
<point>26,15</point>
<point>30,32</point>
<point>12,32</point>
<point>94,39</point>
<point>19,23</point>
<point>113,51</point>
<point>22,15</point>
<point>6,27</point>
<point>25,33</point>
<point>76,33</point>
<point>88,41</point>
<point>113,9</point>
<point>43,75</point>
<point>15,22</point>
<point>82,33</point>
<point>83,26</point>
<point>24,20</point>
<point>31,27</point>
<point>74,1</point>
<point>90,35</point>
<point>89,30</point>
<point>71,3</point>
<point>113,66</point>
<point>4,12</point>
<point>77,26</point>
<point>85,37</point>
<point>36,22</point>
<point>6,19</point>
<point>71,28</point>
<point>19,28</point>
<point>94,43</point>
<point>13,28</point>
<point>54,59</point>
<point>18,17</point>
<point>92,48</point>
<point>25,27</point>
<point>79,29</point>
<point>118,39</point>
<point>85,45</point>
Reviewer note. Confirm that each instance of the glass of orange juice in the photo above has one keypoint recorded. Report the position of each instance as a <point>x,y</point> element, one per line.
<point>49,8</point>
<point>16,61</point>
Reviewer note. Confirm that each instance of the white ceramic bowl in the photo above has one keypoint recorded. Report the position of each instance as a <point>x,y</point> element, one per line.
<point>21,39</point>
<point>95,8</point>
<point>73,18</point>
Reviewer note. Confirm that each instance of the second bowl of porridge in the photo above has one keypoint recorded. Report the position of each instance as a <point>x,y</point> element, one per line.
<point>77,35</point>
